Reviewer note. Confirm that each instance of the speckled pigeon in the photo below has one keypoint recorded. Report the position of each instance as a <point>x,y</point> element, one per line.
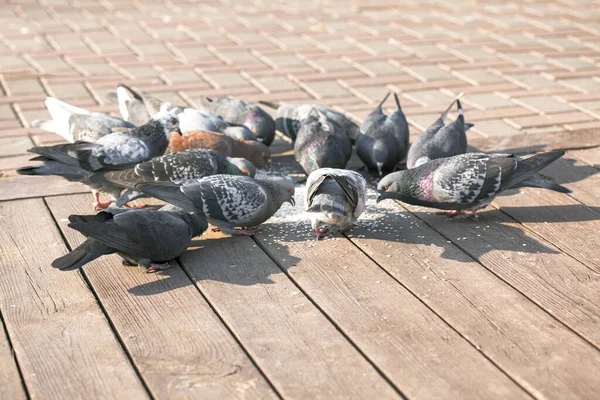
<point>74,123</point>
<point>145,237</point>
<point>464,183</point>
<point>120,150</point>
<point>174,167</point>
<point>289,118</point>
<point>239,112</point>
<point>321,143</point>
<point>334,197</point>
<point>228,201</point>
<point>383,139</point>
<point>440,140</point>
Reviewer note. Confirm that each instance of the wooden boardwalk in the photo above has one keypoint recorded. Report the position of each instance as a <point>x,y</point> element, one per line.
<point>409,305</point>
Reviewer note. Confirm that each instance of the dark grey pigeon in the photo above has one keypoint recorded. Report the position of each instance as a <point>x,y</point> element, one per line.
<point>174,167</point>
<point>239,112</point>
<point>228,201</point>
<point>440,140</point>
<point>383,139</point>
<point>334,197</point>
<point>321,143</point>
<point>289,118</point>
<point>120,150</point>
<point>74,123</point>
<point>131,106</point>
<point>144,237</point>
<point>467,182</point>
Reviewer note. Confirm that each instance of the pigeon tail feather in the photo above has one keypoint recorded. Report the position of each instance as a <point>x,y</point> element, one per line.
<point>48,125</point>
<point>531,164</point>
<point>169,192</point>
<point>384,99</point>
<point>535,181</point>
<point>83,254</point>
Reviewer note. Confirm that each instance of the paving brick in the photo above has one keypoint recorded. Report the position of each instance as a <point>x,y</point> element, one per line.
<point>549,120</point>
<point>23,86</point>
<point>478,77</point>
<point>487,101</point>
<point>586,85</point>
<point>428,73</point>
<point>226,80</point>
<point>324,89</point>
<point>429,97</point>
<point>275,84</point>
<point>69,90</point>
<point>495,127</point>
<point>6,112</point>
<point>544,104</point>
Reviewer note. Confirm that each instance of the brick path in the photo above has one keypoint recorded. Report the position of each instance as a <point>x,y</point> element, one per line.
<point>524,68</point>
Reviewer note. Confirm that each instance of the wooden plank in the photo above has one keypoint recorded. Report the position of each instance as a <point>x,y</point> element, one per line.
<point>559,284</point>
<point>545,141</point>
<point>391,327</point>
<point>64,344</point>
<point>539,353</point>
<point>11,386</point>
<point>22,187</point>
<point>299,350</point>
<point>178,344</point>
<point>590,156</point>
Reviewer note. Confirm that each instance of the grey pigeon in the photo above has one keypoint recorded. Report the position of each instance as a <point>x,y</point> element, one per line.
<point>145,237</point>
<point>174,167</point>
<point>334,197</point>
<point>115,151</point>
<point>239,112</point>
<point>465,183</point>
<point>289,118</point>
<point>131,106</point>
<point>228,201</point>
<point>74,123</point>
<point>383,139</point>
<point>191,119</point>
<point>440,140</point>
<point>321,143</point>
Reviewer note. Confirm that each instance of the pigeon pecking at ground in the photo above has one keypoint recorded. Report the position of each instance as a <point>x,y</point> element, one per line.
<point>119,150</point>
<point>334,197</point>
<point>174,167</point>
<point>440,140</point>
<point>467,182</point>
<point>239,112</point>
<point>321,143</point>
<point>253,151</point>
<point>383,139</point>
<point>289,119</point>
<point>228,201</point>
<point>147,238</point>
<point>74,123</point>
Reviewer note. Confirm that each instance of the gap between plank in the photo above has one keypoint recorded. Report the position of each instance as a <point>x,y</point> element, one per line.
<point>14,356</point>
<point>104,312</point>
<point>499,277</point>
<point>335,325</point>
<point>231,332</point>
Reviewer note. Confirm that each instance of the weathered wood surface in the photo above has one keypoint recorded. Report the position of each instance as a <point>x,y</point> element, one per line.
<point>11,386</point>
<point>177,343</point>
<point>590,156</point>
<point>22,187</point>
<point>582,179</point>
<point>61,339</point>
<point>529,345</point>
<point>535,142</point>
<point>299,350</point>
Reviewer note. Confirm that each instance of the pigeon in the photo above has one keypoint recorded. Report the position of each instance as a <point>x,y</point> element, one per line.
<point>321,143</point>
<point>228,201</point>
<point>289,118</point>
<point>148,238</point>
<point>383,139</point>
<point>119,150</point>
<point>174,167</point>
<point>238,112</point>
<point>467,182</point>
<point>334,197</point>
<point>253,151</point>
<point>131,106</point>
<point>74,123</point>
<point>440,140</point>
<point>191,119</point>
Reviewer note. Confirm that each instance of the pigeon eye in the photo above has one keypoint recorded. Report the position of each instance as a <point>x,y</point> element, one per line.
<point>265,154</point>
<point>245,171</point>
<point>385,188</point>
<point>174,121</point>
<point>289,190</point>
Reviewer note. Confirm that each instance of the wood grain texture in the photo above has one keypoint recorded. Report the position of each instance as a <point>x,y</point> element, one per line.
<point>299,350</point>
<point>559,284</point>
<point>582,179</point>
<point>62,340</point>
<point>418,351</point>
<point>534,349</point>
<point>535,142</point>
<point>22,187</point>
<point>176,341</point>
<point>11,386</point>
<point>590,156</point>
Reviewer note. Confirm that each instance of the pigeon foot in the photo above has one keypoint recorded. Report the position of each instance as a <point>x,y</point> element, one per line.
<point>99,205</point>
<point>157,267</point>
<point>319,233</point>
<point>215,229</point>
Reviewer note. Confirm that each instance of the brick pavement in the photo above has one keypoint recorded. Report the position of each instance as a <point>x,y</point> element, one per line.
<point>524,67</point>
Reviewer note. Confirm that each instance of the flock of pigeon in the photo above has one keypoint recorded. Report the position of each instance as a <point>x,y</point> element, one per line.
<point>207,175</point>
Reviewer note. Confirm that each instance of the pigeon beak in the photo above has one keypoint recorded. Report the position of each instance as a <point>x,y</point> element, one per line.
<point>380,168</point>
<point>177,130</point>
<point>292,201</point>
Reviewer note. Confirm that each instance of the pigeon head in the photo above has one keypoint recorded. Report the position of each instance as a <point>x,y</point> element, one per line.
<point>244,166</point>
<point>396,185</point>
<point>261,124</point>
<point>282,188</point>
<point>169,122</point>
